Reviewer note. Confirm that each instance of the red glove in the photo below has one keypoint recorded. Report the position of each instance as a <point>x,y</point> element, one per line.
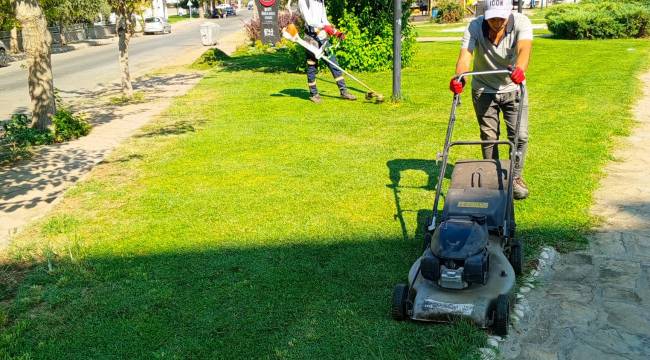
<point>340,35</point>
<point>456,86</point>
<point>517,75</point>
<point>330,30</point>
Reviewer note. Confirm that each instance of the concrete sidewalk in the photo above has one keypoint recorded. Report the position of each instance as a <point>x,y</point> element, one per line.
<point>29,189</point>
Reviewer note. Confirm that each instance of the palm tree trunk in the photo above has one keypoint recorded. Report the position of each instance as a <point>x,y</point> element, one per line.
<point>37,42</point>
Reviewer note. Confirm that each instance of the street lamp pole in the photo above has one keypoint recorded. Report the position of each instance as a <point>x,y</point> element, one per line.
<point>397,50</point>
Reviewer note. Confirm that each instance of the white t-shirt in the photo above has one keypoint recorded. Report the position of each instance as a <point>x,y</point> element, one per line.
<point>313,12</point>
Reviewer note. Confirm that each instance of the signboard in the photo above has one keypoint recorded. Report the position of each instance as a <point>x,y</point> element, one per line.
<point>268,13</point>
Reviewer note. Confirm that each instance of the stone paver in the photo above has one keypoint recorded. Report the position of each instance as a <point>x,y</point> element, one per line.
<point>29,189</point>
<point>595,304</point>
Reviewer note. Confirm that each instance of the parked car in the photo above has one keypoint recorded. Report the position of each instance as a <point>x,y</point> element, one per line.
<point>4,54</point>
<point>226,10</point>
<point>157,25</point>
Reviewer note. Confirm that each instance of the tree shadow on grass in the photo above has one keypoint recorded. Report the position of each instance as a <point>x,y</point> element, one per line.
<point>319,298</point>
<point>177,128</point>
<point>277,61</point>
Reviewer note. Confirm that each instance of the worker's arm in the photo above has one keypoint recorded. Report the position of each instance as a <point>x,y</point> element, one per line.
<point>464,61</point>
<point>467,48</point>
<point>524,48</point>
<point>524,43</point>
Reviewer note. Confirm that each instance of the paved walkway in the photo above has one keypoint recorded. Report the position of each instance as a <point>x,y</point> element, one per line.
<point>595,304</point>
<point>30,188</point>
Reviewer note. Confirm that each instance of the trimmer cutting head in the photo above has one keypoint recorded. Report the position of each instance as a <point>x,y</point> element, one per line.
<point>376,97</point>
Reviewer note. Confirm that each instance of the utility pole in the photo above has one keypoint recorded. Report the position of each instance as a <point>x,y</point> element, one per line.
<point>397,50</point>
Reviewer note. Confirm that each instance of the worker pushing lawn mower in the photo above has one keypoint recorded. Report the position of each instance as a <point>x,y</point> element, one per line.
<point>471,253</point>
<point>317,45</point>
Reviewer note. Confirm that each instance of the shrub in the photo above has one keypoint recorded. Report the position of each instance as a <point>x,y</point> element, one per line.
<point>645,3</point>
<point>368,27</point>
<point>68,126</point>
<point>18,137</point>
<point>298,56</point>
<point>599,20</point>
<point>18,133</point>
<point>209,59</point>
<point>370,48</point>
<point>449,11</point>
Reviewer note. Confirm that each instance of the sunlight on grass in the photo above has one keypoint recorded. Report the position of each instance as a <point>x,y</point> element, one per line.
<point>247,222</point>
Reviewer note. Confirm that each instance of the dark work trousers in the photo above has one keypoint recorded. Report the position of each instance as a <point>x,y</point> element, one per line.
<point>488,106</point>
<point>312,67</point>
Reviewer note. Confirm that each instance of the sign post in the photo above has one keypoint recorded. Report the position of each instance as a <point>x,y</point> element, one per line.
<point>268,13</point>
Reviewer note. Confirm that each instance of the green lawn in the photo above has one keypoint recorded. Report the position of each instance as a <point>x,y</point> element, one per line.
<point>175,18</point>
<point>455,30</point>
<point>439,30</point>
<point>248,222</point>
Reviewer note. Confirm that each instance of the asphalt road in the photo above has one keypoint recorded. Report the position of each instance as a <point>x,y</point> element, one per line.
<point>86,69</point>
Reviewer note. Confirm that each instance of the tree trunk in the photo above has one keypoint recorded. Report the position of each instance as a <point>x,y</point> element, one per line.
<point>124,34</point>
<point>64,41</point>
<point>14,44</point>
<point>37,42</point>
<point>201,10</point>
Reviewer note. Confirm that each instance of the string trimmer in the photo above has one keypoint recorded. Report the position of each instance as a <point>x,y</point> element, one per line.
<point>291,33</point>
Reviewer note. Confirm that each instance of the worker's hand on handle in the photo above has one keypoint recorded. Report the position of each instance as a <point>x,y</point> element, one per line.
<point>456,86</point>
<point>517,75</point>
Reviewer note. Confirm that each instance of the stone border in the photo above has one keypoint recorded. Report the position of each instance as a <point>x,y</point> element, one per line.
<point>522,308</point>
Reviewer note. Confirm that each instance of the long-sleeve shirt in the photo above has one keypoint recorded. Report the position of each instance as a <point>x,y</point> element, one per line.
<point>313,12</point>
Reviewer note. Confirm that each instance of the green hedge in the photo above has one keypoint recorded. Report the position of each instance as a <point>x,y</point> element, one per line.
<point>372,50</point>
<point>364,48</point>
<point>597,19</point>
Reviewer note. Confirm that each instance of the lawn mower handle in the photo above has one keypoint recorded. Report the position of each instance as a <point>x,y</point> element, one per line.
<point>487,72</point>
<point>448,144</point>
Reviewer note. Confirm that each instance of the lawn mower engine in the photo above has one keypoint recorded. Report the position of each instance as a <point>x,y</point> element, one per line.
<point>458,255</point>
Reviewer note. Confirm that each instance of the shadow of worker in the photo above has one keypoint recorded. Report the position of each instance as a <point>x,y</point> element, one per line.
<point>432,169</point>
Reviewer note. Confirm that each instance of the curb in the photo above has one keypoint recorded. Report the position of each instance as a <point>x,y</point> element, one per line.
<point>544,268</point>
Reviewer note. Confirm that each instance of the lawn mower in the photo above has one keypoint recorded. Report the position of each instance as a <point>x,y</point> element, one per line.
<point>291,33</point>
<point>471,256</point>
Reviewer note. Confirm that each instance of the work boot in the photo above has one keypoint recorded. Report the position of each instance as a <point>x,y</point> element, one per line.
<point>347,96</point>
<point>315,99</point>
<point>519,188</point>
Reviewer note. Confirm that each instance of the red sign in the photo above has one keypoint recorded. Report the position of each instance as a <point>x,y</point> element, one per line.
<point>267,3</point>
